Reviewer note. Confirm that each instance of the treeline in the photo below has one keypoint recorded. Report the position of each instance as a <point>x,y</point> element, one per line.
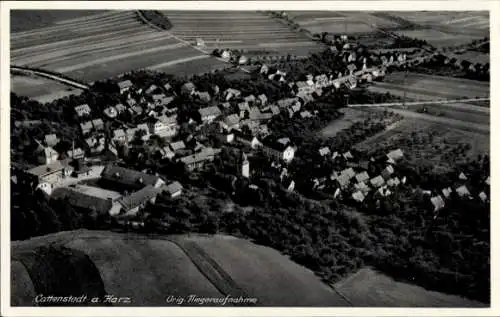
<point>156,18</point>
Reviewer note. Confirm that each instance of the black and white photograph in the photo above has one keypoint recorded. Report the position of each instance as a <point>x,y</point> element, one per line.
<point>247,157</point>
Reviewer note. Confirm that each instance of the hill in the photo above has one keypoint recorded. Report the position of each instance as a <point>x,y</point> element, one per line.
<point>148,270</point>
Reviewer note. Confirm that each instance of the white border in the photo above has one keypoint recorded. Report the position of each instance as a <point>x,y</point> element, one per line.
<point>492,6</point>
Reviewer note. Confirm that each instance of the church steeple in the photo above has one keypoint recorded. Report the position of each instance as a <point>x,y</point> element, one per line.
<point>245,166</point>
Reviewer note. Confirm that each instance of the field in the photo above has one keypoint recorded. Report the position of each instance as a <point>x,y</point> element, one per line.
<point>23,20</point>
<point>338,22</point>
<point>350,117</point>
<point>413,137</point>
<point>369,288</point>
<point>250,31</point>
<point>438,38</point>
<point>429,87</point>
<point>102,45</point>
<point>40,89</point>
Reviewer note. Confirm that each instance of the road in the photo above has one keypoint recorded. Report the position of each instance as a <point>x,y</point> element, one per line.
<point>50,75</point>
<point>453,103</point>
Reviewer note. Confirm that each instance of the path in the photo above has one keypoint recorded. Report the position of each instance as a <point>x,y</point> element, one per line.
<point>50,75</point>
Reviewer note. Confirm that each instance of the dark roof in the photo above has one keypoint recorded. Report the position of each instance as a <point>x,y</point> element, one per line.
<point>127,176</point>
<point>43,170</point>
<point>139,197</point>
<point>274,144</point>
<point>174,187</point>
<point>82,200</point>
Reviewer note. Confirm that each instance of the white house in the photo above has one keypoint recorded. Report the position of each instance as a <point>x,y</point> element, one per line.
<point>209,113</point>
<point>124,86</point>
<point>279,151</point>
<point>48,156</point>
<point>82,110</point>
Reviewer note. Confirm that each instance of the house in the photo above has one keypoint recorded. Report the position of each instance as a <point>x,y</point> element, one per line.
<point>305,114</point>
<point>165,126</point>
<point>462,191</point>
<point>46,175</point>
<point>98,124</point>
<point>119,135</point>
<point>377,181</point>
<point>362,186</point>
<point>124,86</point>
<point>483,196</point>
<point>242,108</point>
<point>111,112</point>
<point>264,69</point>
<point>129,178</point>
<point>27,123</point>
<point>86,127</point>
<point>387,172</point>
<point>231,122</point>
<point>395,155</point>
<point>51,140</point>
<point>48,155</point>
<point>199,159</point>
<point>204,96</point>
<point>278,150</point>
<point>256,115</point>
<point>188,88</point>
<point>248,140</point>
<point>446,192</point>
<point>82,110</point>
<point>209,113</point>
<point>95,144</point>
<point>358,196</point>
<point>462,176</point>
<point>362,177</point>
<point>131,102</point>
<point>151,89</point>
<point>324,151</point>
<point>351,68</point>
<point>167,87</point>
<point>177,146</point>
<point>131,204</point>
<point>253,125</point>
<point>226,105</point>
<point>393,182</point>
<point>487,181</point>
<point>437,202</point>
<point>231,93</point>
<point>262,99</point>
<point>89,198</point>
<point>77,153</point>
<point>305,98</point>
<point>384,191</point>
<point>226,54</point>
<point>286,102</point>
<point>174,189</point>
<point>166,152</point>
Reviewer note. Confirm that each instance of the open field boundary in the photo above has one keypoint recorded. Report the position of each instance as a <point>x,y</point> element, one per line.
<point>417,103</point>
<point>143,19</point>
<point>50,75</point>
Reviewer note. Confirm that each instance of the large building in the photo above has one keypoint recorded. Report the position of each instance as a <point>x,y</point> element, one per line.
<point>128,178</point>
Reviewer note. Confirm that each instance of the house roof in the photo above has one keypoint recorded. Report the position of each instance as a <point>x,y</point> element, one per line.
<point>358,196</point>
<point>168,119</point>
<point>120,107</point>
<point>43,170</point>
<point>139,197</point>
<point>77,152</point>
<point>176,146</point>
<point>97,192</point>
<point>446,192</point>
<point>205,154</point>
<point>462,191</point>
<point>128,176</point>
<point>393,181</point>
<point>232,119</point>
<point>362,187</point>
<point>438,202</point>
<point>81,108</point>
<point>209,111</point>
<point>377,181</point>
<point>274,110</point>
<point>349,172</point>
<point>324,151</point>
<point>305,114</point>
<point>483,196</point>
<point>86,125</point>
<point>151,89</point>
<point>82,199</point>
<point>363,176</point>
<point>242,106</point>
<point>174,187</point>
<point>387,172</point>
<point>282,103</point>
<point>97,122</point>
<point>395,155</point>
<point>118,133</point>
<point>204,95</point>
<point>125,84</point>
<point>48,152</point>
<point>462,176</point>
<point>51,139</point>
<point>256,114</point>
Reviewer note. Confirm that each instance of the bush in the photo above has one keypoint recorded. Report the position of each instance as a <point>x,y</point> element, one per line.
<point>157,18</point>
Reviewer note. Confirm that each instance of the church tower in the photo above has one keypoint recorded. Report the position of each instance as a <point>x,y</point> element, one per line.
<point>245,166</point>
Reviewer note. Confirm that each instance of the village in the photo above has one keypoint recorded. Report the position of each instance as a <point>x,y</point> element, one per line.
<point>233,120</point>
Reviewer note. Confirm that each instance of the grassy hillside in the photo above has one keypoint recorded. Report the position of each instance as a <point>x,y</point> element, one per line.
<point>147,269</point>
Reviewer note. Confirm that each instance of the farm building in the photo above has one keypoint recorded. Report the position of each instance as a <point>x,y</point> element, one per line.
<point>131,204</point>
<point>90,199</point>
<point>44,176</point>
<point>130,178</point>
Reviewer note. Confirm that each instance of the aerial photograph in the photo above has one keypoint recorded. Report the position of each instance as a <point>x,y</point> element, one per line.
<point>166,158</point>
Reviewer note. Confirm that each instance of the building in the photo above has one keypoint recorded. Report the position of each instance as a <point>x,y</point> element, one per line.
<point>208,114</point>
<point>446,192</point>
<point>363,187</point>
<point>86,127</point>
<point>324,151</point>
<point>45,176</point>
<point>77,153</point>
<point>119,135</point>
<point>275,110</point>
<point>129,178</point>
<point>98,124</point>
<point>262,99</point>
<point>483,196</point>
<point>48,155</point>
<point>231,93</point>
<point>131,204</point>
<point>232,121</point>
<point>362,177</point>
<point>278,150</point>
<point>124,86</point>
<point>387,172</point>
<point>437,202</point>
<point>462,191</point>
<point>248,140</point>
<point>174,189</point>
<point>165,126</point>
<point>166,152</point>
<point>188,88</point>
<point>462,176</point>
<point>111,112</point>
<point>82,110</point>
<point>51,140</point>
<point>393,182</point>
<point>256,115</point>
<point>395,155</point>
<point>358,196</point>
<point>204,96</point>
<point>377,181</point>
<point>151,89</point>
<point>245,166</point>
<point>177,146</point>
<point>90,199</point>
<point>96,144</point>
<point>199,159</point>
